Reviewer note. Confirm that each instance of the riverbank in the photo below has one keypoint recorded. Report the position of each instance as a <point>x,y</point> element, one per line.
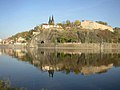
<point>99,46</point>
<point>80,46</point>
<point>12,46</point>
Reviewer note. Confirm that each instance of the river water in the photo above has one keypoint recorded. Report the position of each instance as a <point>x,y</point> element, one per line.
<point>45,69</point>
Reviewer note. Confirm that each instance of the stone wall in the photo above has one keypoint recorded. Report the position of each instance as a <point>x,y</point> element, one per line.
<point>98,46</point>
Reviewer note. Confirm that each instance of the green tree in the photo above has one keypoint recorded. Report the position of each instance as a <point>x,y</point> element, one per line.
<point>60,24</point>
<point>101,22</point>
<point>37,28</point>
<point>77,22</point>
<point>68,23</point>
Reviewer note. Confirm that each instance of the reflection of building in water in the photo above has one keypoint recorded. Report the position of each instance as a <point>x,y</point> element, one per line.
<point>46,68</point>
<point>86,70</point>
<point>20,53</point>
<point>95,69</point>
<point>51,73</point>
<point>50,69</point>
<point>72,52</point>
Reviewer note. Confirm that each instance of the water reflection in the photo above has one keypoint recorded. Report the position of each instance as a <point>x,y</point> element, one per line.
<point>85,62</point>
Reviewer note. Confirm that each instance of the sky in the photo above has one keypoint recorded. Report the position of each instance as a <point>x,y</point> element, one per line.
<point>23,15</point>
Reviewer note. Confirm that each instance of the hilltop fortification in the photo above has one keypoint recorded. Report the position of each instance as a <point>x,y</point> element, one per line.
<point>87,24</point>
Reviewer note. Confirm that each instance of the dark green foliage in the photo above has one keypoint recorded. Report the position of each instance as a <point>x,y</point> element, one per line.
<point>101,22</point>
<point>67,37</point>
<point>68,23</point>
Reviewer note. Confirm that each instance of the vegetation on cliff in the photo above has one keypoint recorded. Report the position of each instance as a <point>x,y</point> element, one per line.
<point>27,35</point>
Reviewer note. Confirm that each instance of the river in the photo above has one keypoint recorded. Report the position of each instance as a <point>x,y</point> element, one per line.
<point>51,69</point>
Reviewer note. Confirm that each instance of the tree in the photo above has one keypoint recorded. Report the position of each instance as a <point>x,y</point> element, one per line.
<point>37,28</point>
<point>68,23</point>
<point>101,22</point>
<point>77,23</point>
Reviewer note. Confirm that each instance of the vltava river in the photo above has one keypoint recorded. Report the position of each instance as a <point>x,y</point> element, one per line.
<point>45,69</point>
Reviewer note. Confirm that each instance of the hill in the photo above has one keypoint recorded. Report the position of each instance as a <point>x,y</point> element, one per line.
<point>71,33</point>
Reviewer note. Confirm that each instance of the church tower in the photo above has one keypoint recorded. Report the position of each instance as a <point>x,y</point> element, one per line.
<point>51,20</point>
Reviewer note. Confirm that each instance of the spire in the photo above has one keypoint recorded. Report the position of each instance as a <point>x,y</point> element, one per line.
<point>52,22</point>
<point>49,22</point>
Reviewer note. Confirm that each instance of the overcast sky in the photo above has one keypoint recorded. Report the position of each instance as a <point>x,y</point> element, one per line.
<point>22,15</point>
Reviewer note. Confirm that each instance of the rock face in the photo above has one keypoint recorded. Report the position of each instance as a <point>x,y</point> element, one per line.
<point>87,24</point>
<point>44,37</point>
<point>90,32</point>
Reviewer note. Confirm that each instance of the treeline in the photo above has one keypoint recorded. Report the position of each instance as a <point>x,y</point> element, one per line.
<point>68,23</point>
<point>76,23</point>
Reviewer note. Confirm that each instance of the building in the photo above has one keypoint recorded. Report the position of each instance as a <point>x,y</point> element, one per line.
<point>87,24</point>
<point>51,24</point>
<point>47,26</point>
<point>21,39</point>
<point>51,20</point>
<point>36,33</point>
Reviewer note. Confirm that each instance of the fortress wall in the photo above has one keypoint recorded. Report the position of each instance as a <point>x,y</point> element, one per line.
<point>82,46</point>
<point>93,25</point>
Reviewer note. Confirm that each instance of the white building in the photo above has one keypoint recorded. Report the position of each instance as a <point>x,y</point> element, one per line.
<point>47,26</point>
<point>21,39</point>
<point>36,33</point>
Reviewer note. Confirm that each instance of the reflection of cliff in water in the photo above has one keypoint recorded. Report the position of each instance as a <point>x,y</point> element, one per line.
<point>77,61</point>
<point>85,62</point>
<point>20,54</point>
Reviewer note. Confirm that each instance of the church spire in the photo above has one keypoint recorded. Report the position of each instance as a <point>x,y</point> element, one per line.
<point>51,20</point>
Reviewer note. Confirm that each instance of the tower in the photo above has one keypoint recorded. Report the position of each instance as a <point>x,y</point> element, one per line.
<point>51,20</point>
